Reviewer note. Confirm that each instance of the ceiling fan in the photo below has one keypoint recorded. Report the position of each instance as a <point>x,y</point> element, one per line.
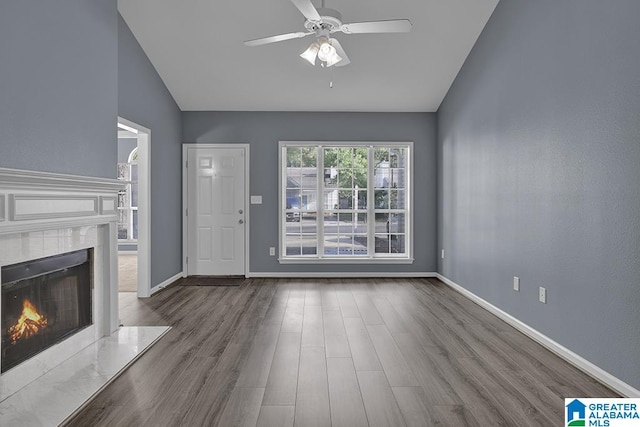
<point>322,23</point>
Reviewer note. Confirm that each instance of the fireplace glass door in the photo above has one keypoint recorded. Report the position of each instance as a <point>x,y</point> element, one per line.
<point>44,301</point>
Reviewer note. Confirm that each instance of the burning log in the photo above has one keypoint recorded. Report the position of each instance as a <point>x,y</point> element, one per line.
<point>29,323</point>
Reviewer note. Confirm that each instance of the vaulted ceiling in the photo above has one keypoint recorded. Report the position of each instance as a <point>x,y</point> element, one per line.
<point>197,48</point>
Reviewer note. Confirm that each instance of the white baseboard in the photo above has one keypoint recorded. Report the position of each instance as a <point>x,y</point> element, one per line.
<point>335,275</point>
<point>568,355</point>
<point>166,283</point>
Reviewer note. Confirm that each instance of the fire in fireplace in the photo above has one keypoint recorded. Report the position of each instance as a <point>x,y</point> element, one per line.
<point>44,301</point>
<point>29,323</point>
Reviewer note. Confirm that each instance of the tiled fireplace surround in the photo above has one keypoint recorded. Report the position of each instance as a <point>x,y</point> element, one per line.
<point>44,214</point>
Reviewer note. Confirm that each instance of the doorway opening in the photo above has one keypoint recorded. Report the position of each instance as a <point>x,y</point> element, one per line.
<point>133,228</point>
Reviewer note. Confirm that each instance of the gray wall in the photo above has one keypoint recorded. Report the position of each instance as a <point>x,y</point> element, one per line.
<point>58,86</point>
<point>263,130</point>
<point>144,99</point>
<point>539,157</point>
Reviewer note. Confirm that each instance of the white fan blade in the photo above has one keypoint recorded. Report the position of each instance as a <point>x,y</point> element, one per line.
<point>278,38</point>
<point>307,8</point>
<point>392,26</point>
<point>341,53</point>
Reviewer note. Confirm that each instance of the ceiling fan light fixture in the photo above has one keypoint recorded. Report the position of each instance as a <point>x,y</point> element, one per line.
<point>311,53</point>
<point>333,60</point>
<point>326,52</point>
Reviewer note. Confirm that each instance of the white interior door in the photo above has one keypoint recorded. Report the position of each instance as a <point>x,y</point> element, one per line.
<point>216,211</point>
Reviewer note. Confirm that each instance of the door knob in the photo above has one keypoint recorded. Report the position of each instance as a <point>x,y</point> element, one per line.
<point>241,221</point>
<point>240,211</point>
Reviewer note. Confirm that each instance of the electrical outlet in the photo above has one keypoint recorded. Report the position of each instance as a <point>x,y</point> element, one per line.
<point>442,254</point>
<point>542,295</point>
<point>272,251</point>
<point>516,283</point>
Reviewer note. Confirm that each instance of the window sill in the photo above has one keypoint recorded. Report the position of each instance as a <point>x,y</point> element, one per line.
<point>307,260</point>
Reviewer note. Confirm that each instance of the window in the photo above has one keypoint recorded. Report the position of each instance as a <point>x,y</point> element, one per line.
<point>345,202</point>
<point>128,199</point>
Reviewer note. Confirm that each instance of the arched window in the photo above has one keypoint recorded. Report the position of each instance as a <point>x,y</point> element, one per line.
<point>128,199</point>
<point>133,156</point>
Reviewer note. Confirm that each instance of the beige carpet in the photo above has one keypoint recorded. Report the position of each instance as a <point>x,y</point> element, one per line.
<point>127,273</point>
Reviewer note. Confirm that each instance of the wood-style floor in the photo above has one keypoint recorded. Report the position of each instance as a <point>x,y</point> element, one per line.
<point>385,352</point>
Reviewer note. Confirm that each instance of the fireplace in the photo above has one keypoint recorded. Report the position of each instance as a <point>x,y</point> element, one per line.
<point>58,279</point>
<point>44,301</point>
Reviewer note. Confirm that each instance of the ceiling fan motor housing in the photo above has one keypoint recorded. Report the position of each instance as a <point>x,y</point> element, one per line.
<point>330,20</point>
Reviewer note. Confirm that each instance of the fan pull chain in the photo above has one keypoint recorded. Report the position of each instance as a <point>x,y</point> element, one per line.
<point>331,78</point>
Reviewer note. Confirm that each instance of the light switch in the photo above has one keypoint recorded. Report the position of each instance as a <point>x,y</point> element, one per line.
<point>256,200</point>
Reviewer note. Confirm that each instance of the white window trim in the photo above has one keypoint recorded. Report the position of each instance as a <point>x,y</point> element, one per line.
<point>371,258</point>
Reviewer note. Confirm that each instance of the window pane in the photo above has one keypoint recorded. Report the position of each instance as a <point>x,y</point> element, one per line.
<point>360,245</point>
<point>397,157</point>
<point>382,199</point>
<point>397,243</point>
<point>382,221</point>
<point>309,155</point>
<point>382,244</point>
<point>330,199</point>
<point>293,199</point>
<point>345,178</point>
<point>135,224</point>
<point>123,199</point>
<point>330,177</point>
<point>124,171</point>
<point>345,157</point>
<point>345,200</point>
<point>397,200</point>
<point>360,178</point>
<point>134,172</point>
<point>381,155</point>
<point>308,178</point>
<point>397,178</point>
<point>309,245</point>
<point>292,245</point>
<point>382,175</point>
<point>396,223</point>
<point>123,223</point>
<point>308,224</point>
<point>390,244</point>
<point>331,244</point>
<point>294,177</point>
<point>331,158</point>
<point>293,227</point>
<point>361,199</point>
<point>361,157</point>
<point>134,186</point>
<point>294,157</point>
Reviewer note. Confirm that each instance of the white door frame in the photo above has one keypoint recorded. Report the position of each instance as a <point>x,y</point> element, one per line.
<point>144,204</point>
<point>185,200</point>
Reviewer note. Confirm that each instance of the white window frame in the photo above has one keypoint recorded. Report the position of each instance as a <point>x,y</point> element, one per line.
<point>320,257</point>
